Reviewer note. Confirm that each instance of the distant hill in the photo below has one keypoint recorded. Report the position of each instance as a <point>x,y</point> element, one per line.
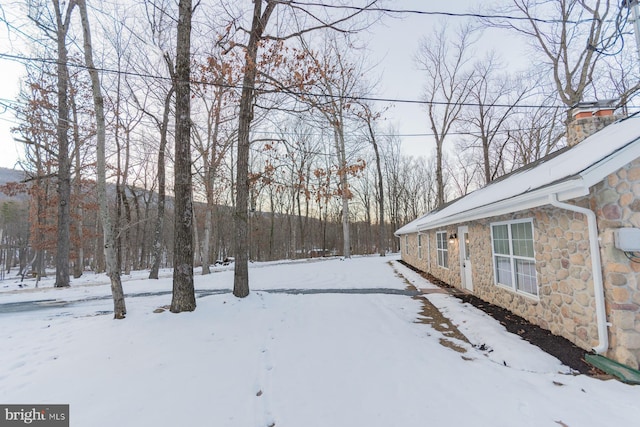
<point>11,175</point>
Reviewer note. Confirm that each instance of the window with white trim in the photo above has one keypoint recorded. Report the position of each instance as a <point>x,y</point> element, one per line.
<point>442,250</point>
<point>419,246</point>
<point>513,256</point>
<point>406,244</point>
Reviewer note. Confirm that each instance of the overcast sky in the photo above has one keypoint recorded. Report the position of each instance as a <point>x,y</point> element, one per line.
<point>396,42</point>
<point>393,45</point>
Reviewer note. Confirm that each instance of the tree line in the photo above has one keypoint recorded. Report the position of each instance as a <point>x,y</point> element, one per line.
<point>155,139</point>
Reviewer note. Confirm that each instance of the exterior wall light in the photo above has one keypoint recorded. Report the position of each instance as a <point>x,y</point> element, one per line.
<point>452,238</point>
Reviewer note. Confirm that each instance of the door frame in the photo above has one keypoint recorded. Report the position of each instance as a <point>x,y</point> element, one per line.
<point>466,273</point>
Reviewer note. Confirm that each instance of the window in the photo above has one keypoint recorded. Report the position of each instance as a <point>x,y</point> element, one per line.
<point>441,249</point>
<point>513,256</point>
<point>406,244</point>
<point>419,246</point>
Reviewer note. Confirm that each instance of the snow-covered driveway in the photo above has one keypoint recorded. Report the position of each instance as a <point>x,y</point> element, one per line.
<point>273,359</point>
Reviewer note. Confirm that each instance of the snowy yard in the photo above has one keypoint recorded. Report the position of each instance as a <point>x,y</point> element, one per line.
<point>295,360</point>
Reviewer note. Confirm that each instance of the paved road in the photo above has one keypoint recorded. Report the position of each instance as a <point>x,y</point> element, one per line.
<point>47,304</point>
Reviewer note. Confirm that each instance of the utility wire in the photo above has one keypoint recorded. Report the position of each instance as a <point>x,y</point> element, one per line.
<point>439,13</point>
<point>20,58</point>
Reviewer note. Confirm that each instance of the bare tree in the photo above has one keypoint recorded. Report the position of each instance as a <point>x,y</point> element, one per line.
<point>463,170</point>
<point>159,223</point>
<point>77,189</point>
<point>160,93</point>
<point>444,60</point>
<point>63,21</point>
<point>119,307</point>
<point>183,289</point>
<point>495,97</point>
<point>370,118</point>
<point>571,35</point>
<point>241,219</point>
<point>534,134</point>
<point>301,151</point>
<point>216,77</point>
<point>335,82</point>
<point>304,20</point>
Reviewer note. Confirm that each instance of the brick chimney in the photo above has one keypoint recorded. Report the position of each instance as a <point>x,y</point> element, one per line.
<point>586,118</point>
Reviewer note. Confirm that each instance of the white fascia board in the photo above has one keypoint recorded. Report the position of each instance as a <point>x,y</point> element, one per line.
<point>565,190</point>
<point>611,164</point>
<point>405,230</point>
<point>409,228</point>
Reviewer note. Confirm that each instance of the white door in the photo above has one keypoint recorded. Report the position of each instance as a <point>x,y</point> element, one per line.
<point>465,259</point>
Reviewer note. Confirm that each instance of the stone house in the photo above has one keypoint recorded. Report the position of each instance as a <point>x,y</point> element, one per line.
<point>556,242</point>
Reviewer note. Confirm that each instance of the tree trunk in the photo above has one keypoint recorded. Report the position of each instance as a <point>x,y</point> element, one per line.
<point>211,168</point>
<point>159,225</point>
<point>439,173</point>
<point>206,240</point>
<point>381,226</point>
<point>184,298</point>
<point>344,189</point>
<point>64,165</point>
<point>241,218</point>
<point>117,226</point>
<point>128,243</point>
<point>78,265</point>
<point>38,264</point>
<point>486,161</point>
<point>119,308</point>
<point>142,230</point>
<point>197,256</point>
<point>138,245</point>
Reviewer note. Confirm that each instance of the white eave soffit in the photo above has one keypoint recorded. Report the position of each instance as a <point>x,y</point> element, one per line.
<point>569,187</point>
<point>565,190</point>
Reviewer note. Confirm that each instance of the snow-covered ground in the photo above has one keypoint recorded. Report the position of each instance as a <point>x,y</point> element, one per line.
<point>278,359</point>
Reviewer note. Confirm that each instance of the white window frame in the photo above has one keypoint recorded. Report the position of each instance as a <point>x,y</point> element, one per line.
<point>442,249</point>
<point>516,281</point>
<point>419,246</point>
<point>406,244</point>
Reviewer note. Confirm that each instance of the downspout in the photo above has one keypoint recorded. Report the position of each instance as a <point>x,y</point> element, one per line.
<point>596,266</point>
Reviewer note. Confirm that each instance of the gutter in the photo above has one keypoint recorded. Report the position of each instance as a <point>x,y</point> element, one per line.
<point>569,189</point>
<point>596,266</point>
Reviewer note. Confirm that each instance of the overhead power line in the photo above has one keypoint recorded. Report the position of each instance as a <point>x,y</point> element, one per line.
<point>440,13</point>
<point>20,58</point>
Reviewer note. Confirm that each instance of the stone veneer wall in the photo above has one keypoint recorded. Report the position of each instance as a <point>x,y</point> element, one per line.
<point>429,261</point>
<point>565,304</point>
<point>450,274</point>
<point>617,204</point>
<point>566,301</point>
<point>411,256</point>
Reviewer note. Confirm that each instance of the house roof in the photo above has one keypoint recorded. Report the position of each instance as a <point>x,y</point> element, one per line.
<point>567,173</point>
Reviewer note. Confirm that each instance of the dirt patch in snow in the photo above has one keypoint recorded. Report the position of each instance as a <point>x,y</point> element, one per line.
<point>430,315</point>
<point>560,347</point>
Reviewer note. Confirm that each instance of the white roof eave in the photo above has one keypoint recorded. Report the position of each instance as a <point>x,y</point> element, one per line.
<point>566,176</point>
<point>565,190</point>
